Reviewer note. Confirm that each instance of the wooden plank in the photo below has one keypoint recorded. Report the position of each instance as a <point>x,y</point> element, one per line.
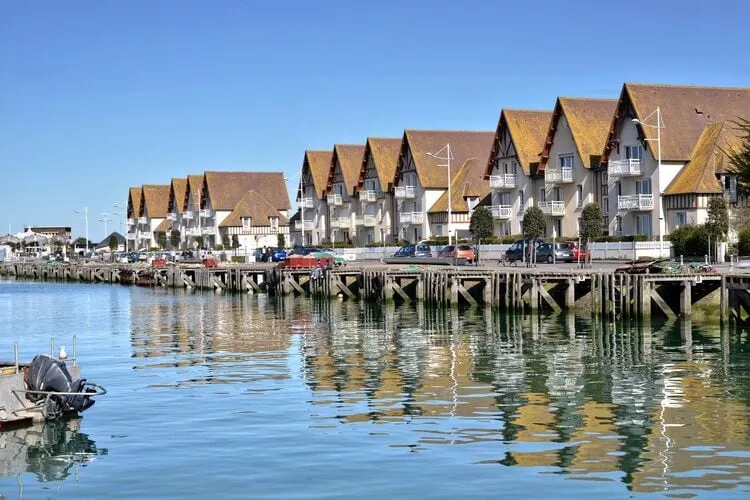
<point>548,298</point>
<point>465,294</point>
<point>342,286</point>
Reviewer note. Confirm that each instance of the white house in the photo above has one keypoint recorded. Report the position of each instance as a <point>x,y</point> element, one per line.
<point>253,223</point>
<point>512,166</point>
<point>653,133</point>
<point>190,222</point>
<point>175,209</point>
<point>343,205</point>
<point>133,209</point>
<point>375,219</point>
<point>152,212</point>
<point>572,150</point>
<point>421,177</point>
<point>311,199</point>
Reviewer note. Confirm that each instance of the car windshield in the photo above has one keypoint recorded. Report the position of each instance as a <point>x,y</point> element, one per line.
<point>423,248</point>
<point>464,247</point>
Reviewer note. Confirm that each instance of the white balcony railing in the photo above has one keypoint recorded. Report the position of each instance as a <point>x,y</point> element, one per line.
<point>207,213</point>
<point>188,215</point>
<point>298,225</point>
<point>411,218</point>
<point>307,203</point>
<point>368,195</point>
<point>635,202</point>
<point>359,220</point>
<point>208,230</point>
<point>130,236</point>
<point>145,235</point>
<point>501,211</point>
<point>337,200</point>
<point>553,208</point>
<point>404,192</point>
<point>559,176</point>
<point>503,181</point>
<point>172,216</point>
<point>131,221</point>
<point>340,222</point>
<point>142,220</point>
<point>370,221</point>
<point>624,168</point>
<point>193,231</point>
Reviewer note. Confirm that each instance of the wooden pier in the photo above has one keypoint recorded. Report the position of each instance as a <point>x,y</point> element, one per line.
<point>604,293</point>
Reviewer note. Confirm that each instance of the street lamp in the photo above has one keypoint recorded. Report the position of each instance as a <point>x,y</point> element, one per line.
<point>85,214</point>
<point>104,217</point>
<point>448,157</point>
<point>659,125</point>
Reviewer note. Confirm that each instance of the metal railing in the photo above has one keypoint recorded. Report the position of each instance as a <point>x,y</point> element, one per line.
<point>503,181</point>
<point>368,195</point>
<point>624,168</point>
<point>554,208</point>
<point>501,211</point>
<point>337,200</point>
<point>635,202</point>
<point>404,192</point>
<point>298,225</point>
<point>559,176</point>
<point>207,213</point>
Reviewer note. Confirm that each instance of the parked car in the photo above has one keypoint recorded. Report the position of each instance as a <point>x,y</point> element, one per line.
<point>515,252</point>
<point>461,251</point>
<point>411,250</point>
<point>558,252</point>
<point>581,252</point>
<point>338,260</point>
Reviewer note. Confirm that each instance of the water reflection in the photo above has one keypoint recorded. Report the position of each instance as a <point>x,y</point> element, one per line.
<point>662,407</point>
<point>51,452</point>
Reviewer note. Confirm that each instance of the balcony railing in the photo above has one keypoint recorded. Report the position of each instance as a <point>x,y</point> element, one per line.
<point>337,200</point>
<point>130,236</point>
<point>188,215</point>
<point>370,221</point>
<point>635,202</point>
<point>145,235</point>
<point>208,230</point>
<point>298,225</point>
<point>501,211</point>
<point>207,213</point>
<point>142,220</point>
<point>404,192</point>
<point>553,208</point>
<point>131,221</point>
<point>340,222</point>
<point>172,216</point>
<point>624,168</point>
<point>368,195</point>
<point>559,176</point>
<point>193,231</point>
<point>503,181</point>
<point>411,218</point>
<point>307,203</point>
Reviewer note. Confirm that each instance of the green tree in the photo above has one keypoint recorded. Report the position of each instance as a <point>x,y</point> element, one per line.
<point>235,243</point>
<point>174,238</point>
<point>199,241</point>
<point>534,226</point>
<point>161,239</point>
<point>717,224</point>
<point>481,225</point>
<point>739,156</point>
<point>592,222</point>
<point>280,240</point>
<point>113,244</point>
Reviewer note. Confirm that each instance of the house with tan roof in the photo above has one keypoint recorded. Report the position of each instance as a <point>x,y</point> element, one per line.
<point>311,228</point>
<point>375,219</point>
<point>636,178</point>
<point>190,222</point>
<point>254,222</point>
<point>707,174</point>
<point>151,215</point>
<point>133,210</point>
<point>221,192</point>
<point>572,150</point>
<point>343,205</point>
<point>177,189</point>
<point>421,179</point>
<point>512,166</point>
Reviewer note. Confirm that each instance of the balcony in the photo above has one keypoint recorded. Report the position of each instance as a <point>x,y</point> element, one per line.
<point>208,230</point>
<point>501,212</point>
<point>553,208</point>
<point>337,200</point>
<point>193,231</point>
<point>635,202</point>
<point>142,220</point>
<point>404,192</point>
<point>131,221</point>
<point>370,221</point>
<point>188,215</point>
<point>307,203</point>
<point>145,235</point>
<point>411,218</point>
<point>504,181</point>
<point>559,176</point>
<point>130,236</point>
<point>368,196</point>
<point>340,222</point>
<point>172,216</point>
<point>625,168</point>
<point>207,213</point>
<point>298,225</point>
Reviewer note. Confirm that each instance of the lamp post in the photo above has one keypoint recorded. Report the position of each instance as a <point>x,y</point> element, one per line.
<point>85,214</point>
<point>104,217</point>
<point>659,125</point>
<point>448,157</point>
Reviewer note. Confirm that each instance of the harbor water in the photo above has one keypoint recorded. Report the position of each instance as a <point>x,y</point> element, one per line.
<point>250,396</point>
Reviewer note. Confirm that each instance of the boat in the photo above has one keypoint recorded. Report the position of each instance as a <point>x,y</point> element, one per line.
<point>45,389</point>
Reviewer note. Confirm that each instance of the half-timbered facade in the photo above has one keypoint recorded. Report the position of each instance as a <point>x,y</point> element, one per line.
<point>253,223</point>
<point>311,227</point>
<point>174,211</point>
<point>571,154</point>
<point>190,226</point>
<point>512,166</point>
<point>421,177</point>
<point>343,205</point>
<point>133,217</point>
<point>152,212</point>
<point>375,219</point>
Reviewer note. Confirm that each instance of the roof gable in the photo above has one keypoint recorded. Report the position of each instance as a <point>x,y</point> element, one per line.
<point>224,189</point>
<point>193,190</point>
<point>318,165</point>
<point>177,195</point>
<point>432,173</point>
<point>588,121</point>
<point>467,183</point>
<point>134,201</point>
<point>384,153</point>
<point>155,200</point>
<point>257,208</point>
<point>527,130</point>
<point>685,111</point>
<point>347,157</point>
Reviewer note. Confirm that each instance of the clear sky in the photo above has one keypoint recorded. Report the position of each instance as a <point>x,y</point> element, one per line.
<point>98,96</point>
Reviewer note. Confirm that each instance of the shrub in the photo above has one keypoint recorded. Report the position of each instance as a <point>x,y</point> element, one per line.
<point>743,243</point>
<point>218,247</point>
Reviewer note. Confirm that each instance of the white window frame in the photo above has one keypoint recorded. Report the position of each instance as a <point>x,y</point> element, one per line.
<point>635,148</point>
<point>579,196</point>
<point>247,223</point>
<point>273,222</point>
<point>566,160</point>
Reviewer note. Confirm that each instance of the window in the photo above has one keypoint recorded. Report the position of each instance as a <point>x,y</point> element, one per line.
<point>680,219</point>
<point>542,195</point>
<point>520,197</point>
<point>605,204</point>
<point>605,178</point>
<point>247,223</point>
<point>566,161</point>
<point>579,195</point>
<point>643,225</point>
<point>643,186</point>
<point>439,229</point>
<point>558,227</point>
<point>619,188</point>
<point>634,152</point>
<point>472,203</point>
<point>274,223</point>
<point>618,225</point>
<point>579,221</point>
<point>505,199</point>
<point>557,194</point>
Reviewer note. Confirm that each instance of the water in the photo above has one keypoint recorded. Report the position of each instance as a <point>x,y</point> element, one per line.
<point>215,396</point>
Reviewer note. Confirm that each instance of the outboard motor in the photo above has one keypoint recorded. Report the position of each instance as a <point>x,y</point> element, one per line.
<point>47,373</point>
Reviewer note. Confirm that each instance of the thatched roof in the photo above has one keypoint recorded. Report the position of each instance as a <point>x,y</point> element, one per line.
<point>155,200</point>
<point>177,195</point>
<point>134,201</point>
<point>255,206</point>
<point>467,183</point>
<point>527,130</point>
<point>193,191</point>
<point>225,189</point>
<point>317,165</point>
<point>589,121</point>
<point>384,153</point>
<point>465,145</point>
<point>685,110</point>
<point>348,158</point>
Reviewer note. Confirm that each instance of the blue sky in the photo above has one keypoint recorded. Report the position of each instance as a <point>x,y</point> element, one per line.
<point>97,96</point>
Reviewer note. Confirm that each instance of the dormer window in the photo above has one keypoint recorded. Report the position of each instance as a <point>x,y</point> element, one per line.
<point>472,202</point>
<point>274,223</point>
<point>247,223</point>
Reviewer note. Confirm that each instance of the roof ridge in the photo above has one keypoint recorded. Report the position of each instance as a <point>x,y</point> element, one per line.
<point>676,85</point>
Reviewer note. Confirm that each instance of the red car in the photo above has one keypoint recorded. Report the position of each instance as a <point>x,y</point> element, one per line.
<point>581,253</point>
<point>457,252</point>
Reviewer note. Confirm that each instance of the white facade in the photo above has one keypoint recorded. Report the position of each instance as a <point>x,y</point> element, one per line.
<point>411,203</point>
<point>374,219</point>
<point>635,185</point>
